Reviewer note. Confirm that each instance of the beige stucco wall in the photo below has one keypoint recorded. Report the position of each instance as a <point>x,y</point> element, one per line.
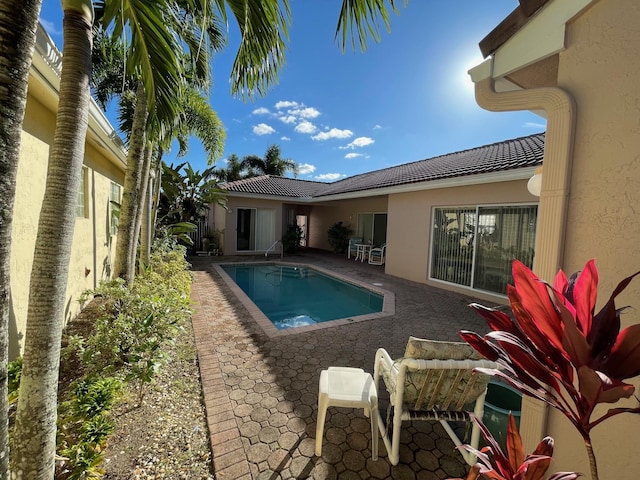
<point>91,251</point>
<point>227,220</point>
<point>324,215</point>
<point>600,69</point>
<point>409,225</point>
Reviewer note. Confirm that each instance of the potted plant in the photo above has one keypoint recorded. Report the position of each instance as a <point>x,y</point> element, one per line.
<point>339,237</point>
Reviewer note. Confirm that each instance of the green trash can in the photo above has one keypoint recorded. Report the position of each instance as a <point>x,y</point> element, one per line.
<point>501,399</point>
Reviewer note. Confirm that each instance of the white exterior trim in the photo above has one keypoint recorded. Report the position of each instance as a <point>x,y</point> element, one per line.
<point>542,36</point>
<point>46,70</point>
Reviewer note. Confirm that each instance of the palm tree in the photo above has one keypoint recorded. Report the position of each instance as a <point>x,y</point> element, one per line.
<point>272,164</point>
<point>35,431</point>
<point>235,170</point>
<point>34,441</point>
<point>18,24</point>
<point>263,26</point>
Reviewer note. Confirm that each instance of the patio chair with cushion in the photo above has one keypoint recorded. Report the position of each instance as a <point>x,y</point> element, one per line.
<point>352,250</point>
<point>376,255</point>
<point>434,381</point>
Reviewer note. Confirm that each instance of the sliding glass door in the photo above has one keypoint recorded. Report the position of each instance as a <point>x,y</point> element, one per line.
<point>475,246</point>
<point>255,228</point>
<point>372,228</point>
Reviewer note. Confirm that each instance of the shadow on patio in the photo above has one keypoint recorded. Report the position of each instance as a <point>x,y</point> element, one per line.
<point>261,393</point>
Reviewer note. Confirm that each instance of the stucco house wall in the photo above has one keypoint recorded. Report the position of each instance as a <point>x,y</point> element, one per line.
<point>600,68</point>
<point>410,223</point>
<point>229,220</point>
<point>93,247</point>
<point>324,215</point>
<point>588,50</point>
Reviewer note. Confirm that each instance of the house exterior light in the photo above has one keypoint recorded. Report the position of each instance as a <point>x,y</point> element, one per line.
<point>534,185</point>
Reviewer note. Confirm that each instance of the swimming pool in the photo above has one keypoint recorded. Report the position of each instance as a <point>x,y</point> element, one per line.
<point>295,296</point>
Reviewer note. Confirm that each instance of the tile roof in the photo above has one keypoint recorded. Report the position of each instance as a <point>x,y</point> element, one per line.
<point>501,156</point>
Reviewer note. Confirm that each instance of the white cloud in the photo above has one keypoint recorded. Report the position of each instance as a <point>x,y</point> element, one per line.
<point>306,168</point>
<point>288,119</point>
<point>285,139</point>
<point>307,112</point>
<point>261,111</point>
<point>263,129</point>
<point>377,127</point>
<point>305,126</point>
<point>329,176</point>
<point>333,133</point>
<point>286,104</point>
<point>535,125</point>
<point>50,27</point>
<point>359,142</point>
<point>353,155</point>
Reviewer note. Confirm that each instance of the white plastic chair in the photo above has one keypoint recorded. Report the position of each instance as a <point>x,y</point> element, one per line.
<point>352,250</point>
<point>347,387</point>
<point>434,381</point>
<point>376,255</point>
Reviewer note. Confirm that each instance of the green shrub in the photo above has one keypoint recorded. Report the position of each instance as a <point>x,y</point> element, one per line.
<point>84,425</point>
<point>339,237</point>
<point>291,240</point>
<point>14,372</point>
<point>134,324</point>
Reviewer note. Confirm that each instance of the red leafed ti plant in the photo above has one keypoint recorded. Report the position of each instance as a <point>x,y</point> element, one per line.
<point>495,464</point>
<point>558,350</point>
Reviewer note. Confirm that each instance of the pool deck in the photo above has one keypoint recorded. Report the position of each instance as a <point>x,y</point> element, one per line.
<point>261,392</point>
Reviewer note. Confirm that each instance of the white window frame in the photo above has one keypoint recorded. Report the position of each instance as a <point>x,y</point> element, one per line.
<point>474,245</point>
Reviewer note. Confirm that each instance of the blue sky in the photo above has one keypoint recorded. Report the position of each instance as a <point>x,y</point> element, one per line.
<point>406,98</point>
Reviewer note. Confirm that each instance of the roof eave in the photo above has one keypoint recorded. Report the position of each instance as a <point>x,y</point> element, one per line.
<point>484,178</point>
<point>540,36</point>
<point>46,69</point>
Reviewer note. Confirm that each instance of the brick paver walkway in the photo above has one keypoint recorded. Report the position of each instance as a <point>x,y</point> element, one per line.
<point>261,393</point>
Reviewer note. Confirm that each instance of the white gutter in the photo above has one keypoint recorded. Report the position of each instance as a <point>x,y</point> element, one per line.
<point>480,179</point>
<point>46,69</point>
<point>543,36</point>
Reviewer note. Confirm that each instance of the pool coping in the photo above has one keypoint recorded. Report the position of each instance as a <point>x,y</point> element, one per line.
<point>388,302</point>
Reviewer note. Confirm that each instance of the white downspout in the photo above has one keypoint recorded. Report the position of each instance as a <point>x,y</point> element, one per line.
<point>560,108</point>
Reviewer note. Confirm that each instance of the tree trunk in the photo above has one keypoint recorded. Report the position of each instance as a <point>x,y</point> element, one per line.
<point>131,192</point>
<point>141,229</point>
<point>18,24</point>
<point>155,199</point>
<point>34,443</point>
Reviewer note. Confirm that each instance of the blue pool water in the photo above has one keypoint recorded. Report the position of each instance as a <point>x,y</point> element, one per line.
<point>294,296</point>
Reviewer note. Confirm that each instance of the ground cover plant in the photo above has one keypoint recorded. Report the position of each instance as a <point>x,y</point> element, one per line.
<point>116,355</point>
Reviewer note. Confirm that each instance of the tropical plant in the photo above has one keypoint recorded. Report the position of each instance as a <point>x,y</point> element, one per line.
<point>271,164</point>
<point>235,170</point>
<point>556,338</point>
<point>339,237</point>
<point>186,197</point>
<point>360,19</point>
<point>292,238</point>
<point>495,464</point>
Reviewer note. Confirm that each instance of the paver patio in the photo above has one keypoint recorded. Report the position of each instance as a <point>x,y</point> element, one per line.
<point>261,393</point>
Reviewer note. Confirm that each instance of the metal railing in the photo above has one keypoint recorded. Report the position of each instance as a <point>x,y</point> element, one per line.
<point>273,247</point>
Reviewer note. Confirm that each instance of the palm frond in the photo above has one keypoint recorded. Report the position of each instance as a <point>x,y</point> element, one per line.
<point>361,19</point>
<point>264,34</point>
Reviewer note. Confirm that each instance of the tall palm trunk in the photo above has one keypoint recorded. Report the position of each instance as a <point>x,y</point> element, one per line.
<point>33,456</point>
<point>143,204</point>
<point>125,247</point>
<point>155,199</point>
<point>18,24</point>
